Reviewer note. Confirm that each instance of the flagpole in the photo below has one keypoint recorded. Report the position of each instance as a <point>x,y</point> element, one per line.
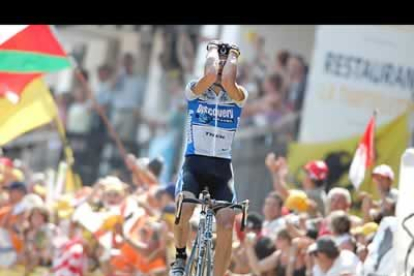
<point>100,111</point>
<point>67,150</point>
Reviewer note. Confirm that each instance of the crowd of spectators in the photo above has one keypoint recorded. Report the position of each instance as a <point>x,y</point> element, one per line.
<point>123,228</point>
<point>121,221</point>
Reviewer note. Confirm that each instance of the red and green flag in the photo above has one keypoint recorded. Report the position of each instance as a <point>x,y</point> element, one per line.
<point>27,52</point>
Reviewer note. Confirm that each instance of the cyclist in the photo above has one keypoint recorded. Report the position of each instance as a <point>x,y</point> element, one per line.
<point>215,103</point>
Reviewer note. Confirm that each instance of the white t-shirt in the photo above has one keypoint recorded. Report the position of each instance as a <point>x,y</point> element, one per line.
<point>346,263</point>
<point>79,118</point>
<point>271,228</point>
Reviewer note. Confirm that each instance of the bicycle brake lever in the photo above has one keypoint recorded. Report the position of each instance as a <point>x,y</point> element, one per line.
<point>244,216</point>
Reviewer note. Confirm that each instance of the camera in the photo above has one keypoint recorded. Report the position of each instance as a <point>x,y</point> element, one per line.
<point>223,48</point>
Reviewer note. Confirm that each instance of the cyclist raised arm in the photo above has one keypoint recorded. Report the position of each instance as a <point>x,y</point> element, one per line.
<point>211,69</point>
<point>228,77</point>
<point>215,103</point>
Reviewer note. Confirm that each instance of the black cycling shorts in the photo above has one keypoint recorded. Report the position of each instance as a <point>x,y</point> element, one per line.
<point>214,173</point>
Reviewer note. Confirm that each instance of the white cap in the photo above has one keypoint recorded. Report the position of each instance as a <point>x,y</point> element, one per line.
<point>384,170</point>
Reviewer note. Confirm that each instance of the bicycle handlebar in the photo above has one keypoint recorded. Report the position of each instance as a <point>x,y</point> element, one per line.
<point>214,205</point>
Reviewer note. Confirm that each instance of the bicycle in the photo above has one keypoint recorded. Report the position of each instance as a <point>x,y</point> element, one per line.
<point>200,261</point>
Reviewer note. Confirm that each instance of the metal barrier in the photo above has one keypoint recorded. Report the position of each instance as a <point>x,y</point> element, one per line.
<point>250,148</point>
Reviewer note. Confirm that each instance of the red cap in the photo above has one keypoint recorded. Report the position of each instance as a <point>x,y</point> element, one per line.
<point>6,162</point>
<point>317,169</point>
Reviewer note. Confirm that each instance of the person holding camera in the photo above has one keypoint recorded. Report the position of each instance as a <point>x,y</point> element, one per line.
<point>215,103</point>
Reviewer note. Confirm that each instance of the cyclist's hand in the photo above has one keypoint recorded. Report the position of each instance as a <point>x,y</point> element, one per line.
<point>213,44</point>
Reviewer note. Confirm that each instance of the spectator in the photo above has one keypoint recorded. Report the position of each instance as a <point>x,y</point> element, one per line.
<point>168,218</point>
<point>70,256</point>
<point>62,102</point>
<point>168,130</point>
<point>127,102</point>
<point>145,172</point>
<point>166,196</point>
<point>260,59</point>
<point>143,251</point>
<point>297,74</point>
<point>272,211</point>
<point>282,58</point>
<point>6,171</point>
<point>104,91</point>
<point>239,264</point>
<point>286,260</point>
<point>330,260</point>
<point>245,79</point>
<point>316,173</point>
<point>103,97</point>
<point>38,247</point>
<point>185,53</point>
<point>12,217</point>
<point>364,234</point>
<point>340,225</point>
<point>338,199</point>
<point>383,177</point>
<point>269,108</point>
<point>263,248</point>
<point>79,119</point>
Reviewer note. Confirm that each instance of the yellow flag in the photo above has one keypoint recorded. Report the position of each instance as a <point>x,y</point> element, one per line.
<point>73,181</point>
<point>35,108</point>
<point>390,142</point>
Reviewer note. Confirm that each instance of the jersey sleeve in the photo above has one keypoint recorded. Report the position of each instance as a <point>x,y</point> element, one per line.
<point>246,94</point>
<point>189,94</point>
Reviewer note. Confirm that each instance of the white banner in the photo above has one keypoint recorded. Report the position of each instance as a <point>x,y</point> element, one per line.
<point>356,69</point>
<point>405,216</point>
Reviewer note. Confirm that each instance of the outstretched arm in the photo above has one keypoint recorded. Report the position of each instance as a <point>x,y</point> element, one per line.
<point>140,175</point>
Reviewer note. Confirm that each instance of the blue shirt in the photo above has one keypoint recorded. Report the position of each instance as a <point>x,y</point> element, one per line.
<point>212,121</point>
<point>129,92</point>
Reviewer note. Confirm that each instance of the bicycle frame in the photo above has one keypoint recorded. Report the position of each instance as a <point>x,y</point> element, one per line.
<point>205,242</point>
<point>202,252</point>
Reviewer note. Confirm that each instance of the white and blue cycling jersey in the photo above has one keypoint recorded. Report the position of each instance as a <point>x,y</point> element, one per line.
<point>212,121</point>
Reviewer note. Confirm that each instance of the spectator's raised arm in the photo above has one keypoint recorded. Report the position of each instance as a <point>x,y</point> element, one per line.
<point>278,169</point>
<point>140,175</point>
